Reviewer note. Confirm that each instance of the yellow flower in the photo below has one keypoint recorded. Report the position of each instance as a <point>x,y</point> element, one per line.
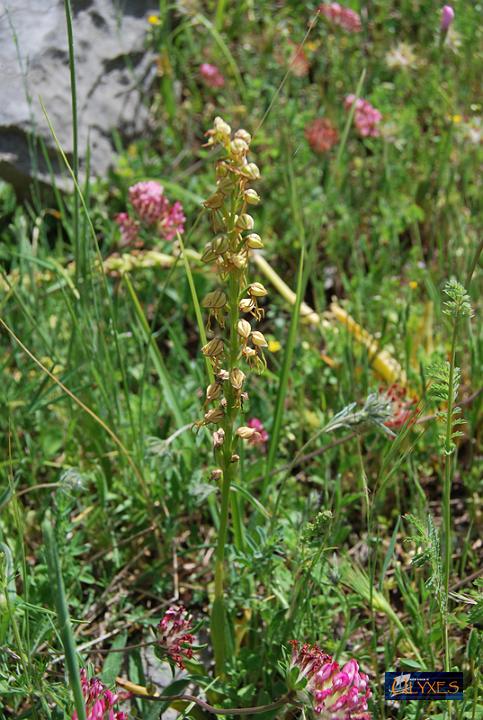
<point>413,284</point>
<point>457,118</point>
<point>274,346</point>
<point>154,20</point>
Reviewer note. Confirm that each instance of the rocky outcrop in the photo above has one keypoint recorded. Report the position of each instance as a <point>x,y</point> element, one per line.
<point>114,74</point>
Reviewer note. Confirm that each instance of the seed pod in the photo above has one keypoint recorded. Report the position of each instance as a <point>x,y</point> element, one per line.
<point>215,201</point>
<point>244,329</point>
<point>257,290</point>
<point>251,171</point>
<point>218,440</point>
<point>214,348</point>
<point>214,300</point>
<point>254,241</point>
<point>243,135</point>
<point>245,432</point>
<point>215,415</point>
<point>251,197</point>
<point>246,305</point>
<point>237,378</point>
<point>258,339</point>
<point>245,222</point>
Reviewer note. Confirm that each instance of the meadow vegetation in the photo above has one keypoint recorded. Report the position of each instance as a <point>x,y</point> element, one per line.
<point>241,379</point>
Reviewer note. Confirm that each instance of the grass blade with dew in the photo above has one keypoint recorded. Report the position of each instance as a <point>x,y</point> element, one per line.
<point>65,628</point>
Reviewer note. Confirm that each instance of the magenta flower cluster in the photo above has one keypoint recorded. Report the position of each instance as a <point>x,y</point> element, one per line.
<point>176,637</point>
<point>366,117</point>
<point>338,694</point>
<point>151,208</point>
<point>339,15</point>
<point>211,75</point>
<point>100,701</point>
<point>261,435</point>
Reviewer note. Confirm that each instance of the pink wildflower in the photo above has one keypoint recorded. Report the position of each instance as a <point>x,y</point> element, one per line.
<point>403,409</point>
<point>447,17</point>
<point>99,700</point>
<point>341,694</point>
<point>173,221</point>
<point>211,75</point>
<point>339,15</point>
<point>176,637</point>
<point>321,135</point>
<point>261,435</point>
<point>129,228</point>
<point>366,117</point>
<point>308,659</point>
<point>148,200</point>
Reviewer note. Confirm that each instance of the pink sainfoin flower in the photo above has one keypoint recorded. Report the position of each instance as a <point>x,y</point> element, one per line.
<point>308,659</point>
<point>339,15</point>
<point>321,135</point>
<point>129,228</point>
<point>211,75</point>
<point>148,200</point>
<point>447,17</point>
<point>175,635</point>
<point>261,435</point>
<point>100,701</point>
<point>366,117</point>
<point>340,694</point>
<point>173,221</point>
<point>403,409</point>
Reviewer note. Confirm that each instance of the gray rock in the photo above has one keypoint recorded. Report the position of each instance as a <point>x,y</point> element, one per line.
<point>114,73</point>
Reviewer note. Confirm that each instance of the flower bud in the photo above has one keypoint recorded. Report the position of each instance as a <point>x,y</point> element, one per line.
<point>214,348</point>
<point>251,171</point>
<point>251,197</point>
<point>215,415</point>
<point>254,241</point>
<point>245,222</point>
<point>218,440</point>
<point>222,129</point>
<point>213,391</point>
<point>249,352</point>
<point>244,135</point>
<point>208,254</point>
<point>217,473</point>
<point>245,432</point>
<point>237,378</point>
<point>244,329</point>
<point>234,458</point>
<point>220,244</point>
<point>258,339</point>
<point>238,147</point>
<point>215,300</point>
<point>257,290</point>
<point>246,305</point>
<point>240,260</point>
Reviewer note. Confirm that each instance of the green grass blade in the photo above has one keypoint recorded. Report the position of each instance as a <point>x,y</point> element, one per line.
<point>156,356</point>
<point>65,628</point>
